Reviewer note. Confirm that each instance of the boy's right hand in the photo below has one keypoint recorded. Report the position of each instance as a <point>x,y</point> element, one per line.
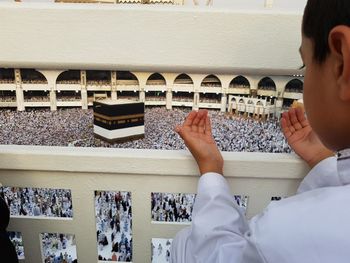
<point>301,137</point>
<point>197,135</point>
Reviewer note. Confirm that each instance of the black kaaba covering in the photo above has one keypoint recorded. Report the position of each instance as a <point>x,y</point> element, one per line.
<point>117,110</point>
<point>118,116</point>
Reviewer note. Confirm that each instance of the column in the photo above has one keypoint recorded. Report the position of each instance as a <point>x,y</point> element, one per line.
<point>84,97</point>
<point>169,99</point>
<point>114,85</point>
<point>142,96</point>
<point>19,91</point>
<point>223,102</point>
<point>51,77</point>
<point>196,101</point>
<point>53,100</point>
<point>169,78</point>
<point>278,106</point>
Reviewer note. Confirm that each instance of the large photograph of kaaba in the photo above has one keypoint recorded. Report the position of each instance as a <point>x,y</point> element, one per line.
<point>245,121</point>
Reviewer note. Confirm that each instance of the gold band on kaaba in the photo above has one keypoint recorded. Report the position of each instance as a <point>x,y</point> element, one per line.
<point>119,120</point>
<point>118,117</point>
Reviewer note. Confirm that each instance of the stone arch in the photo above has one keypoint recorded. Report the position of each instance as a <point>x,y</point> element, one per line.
<point>7,75</point>
<point>211,81</point>
<point>233,105</point>
<point>267,83</point>
<point>259,108</point>
<point>294,85</point>
<point>156,79</point>
<point>250,107</point>
<point>69,77</point>
<point>240,82</point>
<point>241,105</point>
<point>183,96</point>
<point>98,77</point>
<point>126,78</point>
<point>183,79</point>
<point>32,76</point>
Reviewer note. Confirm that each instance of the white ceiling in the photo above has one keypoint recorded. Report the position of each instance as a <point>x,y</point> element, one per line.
<point>291,5</point>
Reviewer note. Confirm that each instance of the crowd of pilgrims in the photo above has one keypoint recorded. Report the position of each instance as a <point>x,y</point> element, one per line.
<point>17,241</point>
<point>170,207</point>
<point>74,127</point>
<point>167,207</point>
<point>67,98</point>
<point>114,225</point>
<point>161,250</point>
<point>8,98</point>
<point>59,248</point>
<point>38,201</point>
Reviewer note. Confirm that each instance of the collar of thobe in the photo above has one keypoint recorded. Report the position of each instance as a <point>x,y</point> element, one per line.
<point>343,165</point>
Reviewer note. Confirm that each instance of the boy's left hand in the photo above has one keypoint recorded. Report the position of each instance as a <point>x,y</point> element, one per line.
<point>197,134</point>
<point>302,138</point>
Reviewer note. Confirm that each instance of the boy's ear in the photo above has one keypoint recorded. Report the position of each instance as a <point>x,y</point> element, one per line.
<point>339,44</point>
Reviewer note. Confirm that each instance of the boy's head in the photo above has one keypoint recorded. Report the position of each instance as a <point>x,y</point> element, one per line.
<point>325,51</point>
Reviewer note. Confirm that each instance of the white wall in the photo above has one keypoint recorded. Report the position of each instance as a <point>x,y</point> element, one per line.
<point>291,5</point>
<point>142,38</point>
<point>84,170</point>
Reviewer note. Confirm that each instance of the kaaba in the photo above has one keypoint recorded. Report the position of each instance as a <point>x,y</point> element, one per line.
<point>119,120</point>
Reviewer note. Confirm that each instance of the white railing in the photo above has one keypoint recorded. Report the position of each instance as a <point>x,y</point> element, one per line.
<point>84,170</point>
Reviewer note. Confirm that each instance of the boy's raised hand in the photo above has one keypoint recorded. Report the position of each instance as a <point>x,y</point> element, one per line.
<point>197,134</point>
<point>302,138</point>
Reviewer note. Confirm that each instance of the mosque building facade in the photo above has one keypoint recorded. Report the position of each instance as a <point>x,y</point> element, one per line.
<point>257,95</point>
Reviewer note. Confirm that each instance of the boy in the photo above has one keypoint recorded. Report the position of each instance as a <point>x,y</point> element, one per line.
<point>7,250</point>
<point>314,225</point>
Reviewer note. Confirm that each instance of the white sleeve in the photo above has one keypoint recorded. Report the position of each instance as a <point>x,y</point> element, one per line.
<point>325,173</point>
<point>219,230</point>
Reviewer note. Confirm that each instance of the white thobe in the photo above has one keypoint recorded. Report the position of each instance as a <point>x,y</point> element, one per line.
<point>312,226</point>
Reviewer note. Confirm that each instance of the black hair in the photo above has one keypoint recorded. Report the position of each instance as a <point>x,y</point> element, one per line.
<point>320,17</point>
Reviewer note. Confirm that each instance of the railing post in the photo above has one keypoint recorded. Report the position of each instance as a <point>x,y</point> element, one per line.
<point>53,99</point>
<point>19,91</point>
<point>84,97</point>
<point>114,85</point>
<point>169,98</point>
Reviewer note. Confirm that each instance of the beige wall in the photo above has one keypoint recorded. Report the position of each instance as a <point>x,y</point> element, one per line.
<point>84,170</point>
<point>144,38</point>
